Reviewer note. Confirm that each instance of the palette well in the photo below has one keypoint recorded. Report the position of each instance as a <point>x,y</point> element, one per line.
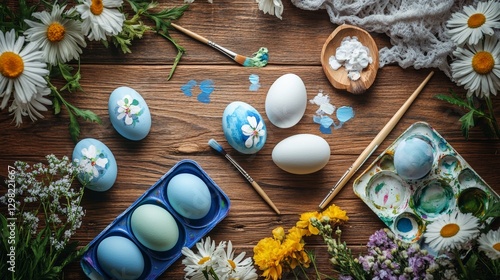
<point>145,239</point>
<point>419,178</point>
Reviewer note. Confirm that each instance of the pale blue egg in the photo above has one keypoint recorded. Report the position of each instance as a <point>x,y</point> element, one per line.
<point>120,258</point>
<point>98,169</point>
<point>154,227</point>
<point>129,114</point>
<point>244,127</point>
<point>189,196</point>
<point>413,158</point>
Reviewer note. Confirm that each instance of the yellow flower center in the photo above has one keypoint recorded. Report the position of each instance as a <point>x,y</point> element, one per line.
<point>496,246</point>
<point>483,62</point>
<point>450,230</point>
<point>203,260</point>
<point>11,65</point>
<point>96,7</point>
<point>55,32</point>
<point>476,20</point>
<point>232,264</point>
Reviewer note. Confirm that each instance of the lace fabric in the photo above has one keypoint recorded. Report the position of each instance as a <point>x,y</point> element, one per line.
<point>416,28</point>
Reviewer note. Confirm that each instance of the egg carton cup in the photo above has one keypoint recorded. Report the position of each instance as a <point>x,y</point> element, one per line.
<point>407,206</point>
<point>190,230</point>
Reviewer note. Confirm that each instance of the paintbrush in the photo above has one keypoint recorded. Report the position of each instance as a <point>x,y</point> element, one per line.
<point>216,146</point>
<point>373,145</point>
<point>258,59</point>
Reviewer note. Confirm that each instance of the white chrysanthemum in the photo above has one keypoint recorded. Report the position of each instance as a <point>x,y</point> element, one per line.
<point>478,67</point>
<point>473,23</point>
<point>236,268</point>
<point>451,231</point>
<point>32,108</point>
<point>101,18</point>
<point>60,38</point>
<point>489,243</point>
<point>22,69</point>
<point>272,7</point>
<point>208,255</point>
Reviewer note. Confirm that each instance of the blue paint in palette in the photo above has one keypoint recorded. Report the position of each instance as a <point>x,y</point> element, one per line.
<point>404,225</point>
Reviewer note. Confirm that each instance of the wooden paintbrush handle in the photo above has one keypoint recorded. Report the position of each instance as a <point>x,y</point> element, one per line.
<point>190,33</point>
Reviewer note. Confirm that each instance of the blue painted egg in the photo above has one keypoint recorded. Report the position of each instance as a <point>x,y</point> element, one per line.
<point>413,158</point>
<point>244,127</point>
<point>98,169</point>
<point>120,258</point>
<point>129,114</point>
<point>189,196</point>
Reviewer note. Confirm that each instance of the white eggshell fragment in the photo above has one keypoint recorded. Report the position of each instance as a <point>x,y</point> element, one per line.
<point>120,258</point>
<point>129,114</point>
<point>301,153</point>
<point>286,101</point>
<point>413,158</point>
<point>154,227</point>
<point>244,127</point>
<point>98,169</point>
<point>189,196</point>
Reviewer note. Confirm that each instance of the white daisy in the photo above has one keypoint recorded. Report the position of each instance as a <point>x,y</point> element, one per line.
<point>236,268</point>
<point>32,108</point>
<point>478,67</point>
<point>101,18</point>
<point>208,255</point>
<point>59,38</point>
<point>22,69</point>
<point>473,23</point>
<point>272,7</point>
<point>451,231</point>
<point>489,243</point>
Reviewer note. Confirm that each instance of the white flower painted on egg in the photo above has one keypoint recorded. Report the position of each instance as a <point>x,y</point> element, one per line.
<point>128,110</point>
<point>253,130</point>
<point>93,162</point>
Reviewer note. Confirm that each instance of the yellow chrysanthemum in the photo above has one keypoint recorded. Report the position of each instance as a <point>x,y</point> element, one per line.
<point>305,222</point>
<point>336,214</point>
<point>268,255</point>
<point>279,233</point>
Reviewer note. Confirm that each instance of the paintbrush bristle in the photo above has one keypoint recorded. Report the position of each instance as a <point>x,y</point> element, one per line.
<point>216,146</point>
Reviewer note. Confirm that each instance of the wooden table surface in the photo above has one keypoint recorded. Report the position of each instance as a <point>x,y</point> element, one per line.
<point>182,125</point>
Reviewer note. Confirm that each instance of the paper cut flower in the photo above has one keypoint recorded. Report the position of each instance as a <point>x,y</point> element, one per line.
<point>129,110</point>
<point>253,130</point>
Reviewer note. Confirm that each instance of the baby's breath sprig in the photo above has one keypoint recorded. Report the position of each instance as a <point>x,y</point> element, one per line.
<point>44,214</point>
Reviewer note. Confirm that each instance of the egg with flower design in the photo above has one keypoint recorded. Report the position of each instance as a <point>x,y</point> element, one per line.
<point>244,127</point>
<point>129,114</point>
<point>98,168</point>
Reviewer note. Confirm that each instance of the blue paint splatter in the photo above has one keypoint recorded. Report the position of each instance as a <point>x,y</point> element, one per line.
<point>254,82</point>
<point>345,113</point>
<point>187,89</point>
<point>325,123</point>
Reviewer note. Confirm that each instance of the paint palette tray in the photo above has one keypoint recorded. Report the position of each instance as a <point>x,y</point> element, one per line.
<point>105,260</point>
<point>419,178</point>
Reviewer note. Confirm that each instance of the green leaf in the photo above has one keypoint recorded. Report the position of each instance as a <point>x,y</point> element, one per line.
<point>467,121</point>
<point>74,127</point>
<point>57,105</point>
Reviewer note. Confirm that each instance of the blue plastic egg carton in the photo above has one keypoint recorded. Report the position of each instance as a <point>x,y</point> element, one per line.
<point>190,231</point>
<point>407,206</point>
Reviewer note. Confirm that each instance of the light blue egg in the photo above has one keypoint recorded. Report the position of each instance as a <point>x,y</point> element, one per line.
<point>244,127</point>
<point>189,196</point>
<point>120,258</point>
<point>129,114</point>
<point>97,163</point>
<point>413,158</point>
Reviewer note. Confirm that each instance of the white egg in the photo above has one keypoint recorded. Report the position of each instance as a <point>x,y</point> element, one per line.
<point>301,153</point>
<point>286,101</point>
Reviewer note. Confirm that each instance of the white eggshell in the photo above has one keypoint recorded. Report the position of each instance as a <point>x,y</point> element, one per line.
<point>286,101</point>
<point>98,168</point>
<point>301,153</point>
<point>154,227</point>
<point>129,114</point>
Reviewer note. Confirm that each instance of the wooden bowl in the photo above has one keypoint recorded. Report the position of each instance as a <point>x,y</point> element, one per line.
<point>338,78</point>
